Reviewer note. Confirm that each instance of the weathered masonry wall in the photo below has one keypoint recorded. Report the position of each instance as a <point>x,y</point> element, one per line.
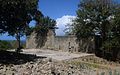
<point>36,40</point>
<point>31,41</point>
<point>64,43</point>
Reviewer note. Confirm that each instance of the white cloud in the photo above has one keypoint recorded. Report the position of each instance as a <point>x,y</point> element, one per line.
<point>62,22</point>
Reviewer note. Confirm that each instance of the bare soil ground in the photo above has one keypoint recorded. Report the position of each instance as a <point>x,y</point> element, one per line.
<point>56,55</point>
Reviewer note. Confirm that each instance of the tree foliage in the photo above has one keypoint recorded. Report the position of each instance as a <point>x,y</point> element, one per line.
<point>43,24</point>
<point>15,16</point>
<point>99,18</point>
<point>92,17</point>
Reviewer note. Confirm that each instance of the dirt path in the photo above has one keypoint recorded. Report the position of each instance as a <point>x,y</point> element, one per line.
<point>57,55</point>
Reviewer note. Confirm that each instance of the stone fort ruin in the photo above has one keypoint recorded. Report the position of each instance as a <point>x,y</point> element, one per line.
<point>64,43</point>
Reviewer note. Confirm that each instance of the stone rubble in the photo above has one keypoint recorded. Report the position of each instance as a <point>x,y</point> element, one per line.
<point>48,67</point>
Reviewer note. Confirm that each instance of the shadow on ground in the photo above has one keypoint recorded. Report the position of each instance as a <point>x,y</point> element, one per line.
<point>7,57</point>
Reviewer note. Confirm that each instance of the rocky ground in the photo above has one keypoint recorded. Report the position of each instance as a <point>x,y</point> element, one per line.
<point>86,65</point>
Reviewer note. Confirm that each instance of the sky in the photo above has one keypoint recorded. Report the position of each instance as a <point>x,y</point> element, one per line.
<point>60,10</point>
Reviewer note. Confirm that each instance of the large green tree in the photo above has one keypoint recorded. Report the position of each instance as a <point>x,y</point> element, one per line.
<point>15,16</point>
<point>98,18</point>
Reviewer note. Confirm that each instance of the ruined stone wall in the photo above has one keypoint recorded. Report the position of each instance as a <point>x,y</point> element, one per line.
<point>64,43</point>
<point>30,41</point>
<point>36,40</point>
<point>87,45</point>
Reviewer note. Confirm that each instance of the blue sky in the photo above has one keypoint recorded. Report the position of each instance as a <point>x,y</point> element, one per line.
<point>58,8</point>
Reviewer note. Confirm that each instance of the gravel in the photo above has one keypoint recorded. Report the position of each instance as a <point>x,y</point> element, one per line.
<point>60,63</point>
<point>46,67</point>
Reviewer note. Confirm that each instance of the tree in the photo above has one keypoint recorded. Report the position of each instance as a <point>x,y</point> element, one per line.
<point>15,16</point>
<point>90,17</point>
<point>97,18</point>
<point>43,24</point>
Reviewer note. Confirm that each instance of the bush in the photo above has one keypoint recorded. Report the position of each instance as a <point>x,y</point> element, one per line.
<point>4,45</point>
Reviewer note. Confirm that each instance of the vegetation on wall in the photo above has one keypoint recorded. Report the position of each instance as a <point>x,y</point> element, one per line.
<point>43,25</point>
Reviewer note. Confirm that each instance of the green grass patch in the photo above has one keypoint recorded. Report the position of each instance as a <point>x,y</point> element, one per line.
<point>88,65</point>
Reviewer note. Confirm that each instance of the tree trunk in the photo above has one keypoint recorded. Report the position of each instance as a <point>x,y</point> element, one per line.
<point>18,42</point>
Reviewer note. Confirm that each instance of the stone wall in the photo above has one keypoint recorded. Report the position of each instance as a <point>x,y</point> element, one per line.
<point>87,45</point>
<point>36,40</point>
<point>30,41</point>
<point>64,43</point>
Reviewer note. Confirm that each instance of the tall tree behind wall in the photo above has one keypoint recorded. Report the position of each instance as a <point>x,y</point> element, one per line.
<point>96,18</point>
<point>44,24</point>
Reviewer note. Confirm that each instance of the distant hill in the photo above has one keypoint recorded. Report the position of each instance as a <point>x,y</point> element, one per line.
<point>22,41</point>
